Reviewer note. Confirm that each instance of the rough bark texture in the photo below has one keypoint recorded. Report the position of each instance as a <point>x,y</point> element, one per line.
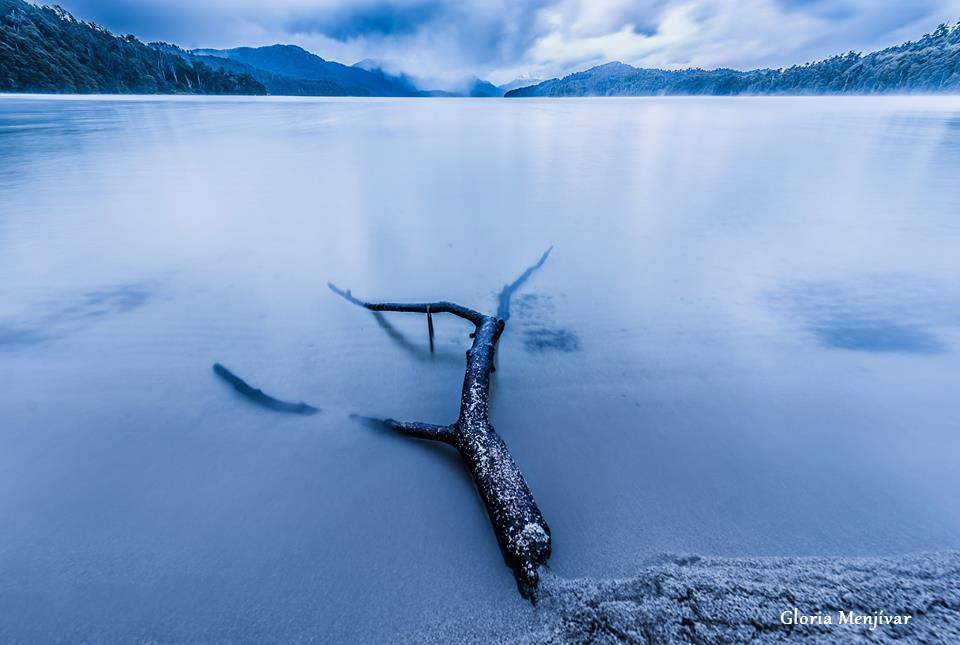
<point>522,532</point>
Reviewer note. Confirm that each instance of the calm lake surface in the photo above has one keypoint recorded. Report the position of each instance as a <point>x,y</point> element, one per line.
<point>745,342</point>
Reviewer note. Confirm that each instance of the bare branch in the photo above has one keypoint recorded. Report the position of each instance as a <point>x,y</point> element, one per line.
<point>259,396</point>
<point>503,310</point>
<point>523,534</point>
<point>441,306</point>
<point>446,434</point>
<point>346,295</point>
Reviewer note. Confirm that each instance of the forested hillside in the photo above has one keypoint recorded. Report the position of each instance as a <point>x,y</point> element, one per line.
<point>928,65</point>
<point>45,49</point>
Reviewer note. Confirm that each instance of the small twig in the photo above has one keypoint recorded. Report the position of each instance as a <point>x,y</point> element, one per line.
<point>430,327</point>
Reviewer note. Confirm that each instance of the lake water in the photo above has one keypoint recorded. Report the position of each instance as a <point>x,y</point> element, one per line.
<point>745,342</point>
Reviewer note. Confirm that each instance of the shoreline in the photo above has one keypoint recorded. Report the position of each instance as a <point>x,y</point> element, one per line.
<point>687,599</point>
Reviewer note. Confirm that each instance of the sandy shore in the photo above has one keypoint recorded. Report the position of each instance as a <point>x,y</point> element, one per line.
<point>721,600</point>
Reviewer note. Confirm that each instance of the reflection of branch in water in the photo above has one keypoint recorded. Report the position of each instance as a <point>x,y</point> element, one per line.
<point>410,347</point>
<point>522,532</point>
<point>258,396</point>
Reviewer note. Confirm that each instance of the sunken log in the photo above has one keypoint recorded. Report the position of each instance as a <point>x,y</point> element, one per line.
<point>259,396</point>
<point>522,532</point>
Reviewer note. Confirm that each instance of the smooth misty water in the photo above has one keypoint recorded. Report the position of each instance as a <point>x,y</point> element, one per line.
<point>746,342</point>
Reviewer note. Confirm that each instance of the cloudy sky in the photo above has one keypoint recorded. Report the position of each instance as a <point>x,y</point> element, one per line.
<point>502,39</point>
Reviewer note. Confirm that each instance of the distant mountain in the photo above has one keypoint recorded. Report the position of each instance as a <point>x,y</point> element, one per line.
<point>399,80</point>
<point>929,65</point>
<point>472,87</point>
<point>479,88</point>
<point>45,49</point>
<point>284,62</point>
<point>520,82</point>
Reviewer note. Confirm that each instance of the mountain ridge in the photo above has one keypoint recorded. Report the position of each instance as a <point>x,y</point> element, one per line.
<point>929,65</point>
<point>292,61</point>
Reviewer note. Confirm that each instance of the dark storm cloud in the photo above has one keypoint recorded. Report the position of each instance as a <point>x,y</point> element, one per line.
<point>383,19</point>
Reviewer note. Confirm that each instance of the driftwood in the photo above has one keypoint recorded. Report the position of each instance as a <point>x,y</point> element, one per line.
<point>522,532</point>
<point>259,396</point>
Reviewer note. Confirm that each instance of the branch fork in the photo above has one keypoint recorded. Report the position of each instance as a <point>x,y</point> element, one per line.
<point>522,532</point>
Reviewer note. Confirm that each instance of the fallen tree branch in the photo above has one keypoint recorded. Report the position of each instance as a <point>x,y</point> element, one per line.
<point>522,532</point>
<point>259,396</point>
